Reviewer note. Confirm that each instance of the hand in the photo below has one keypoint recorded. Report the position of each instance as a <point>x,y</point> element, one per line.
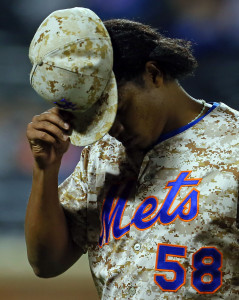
<point>48,135</point>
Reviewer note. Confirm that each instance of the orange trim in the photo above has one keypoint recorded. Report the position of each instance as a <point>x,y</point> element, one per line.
<point>219,269</point>
<point>155,212</point>
<point>167,260</point>
<point>208,257</point>
<point>114,204</point>
<point>207,274</point>
<point>101,231</point>
<point>113,221</point>
<point>166,187</point>
<point>177,216</point>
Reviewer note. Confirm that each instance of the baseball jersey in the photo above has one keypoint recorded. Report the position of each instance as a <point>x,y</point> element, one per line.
<point>166,229</point>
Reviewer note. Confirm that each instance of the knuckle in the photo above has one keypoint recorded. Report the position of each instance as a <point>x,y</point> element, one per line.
<point>45,125</point>
<point>35,118</point>
<point>29,126</point>
<point>43,135</point>
<point>28,133</point>
<point>60,134</point>
<point>53,129</point>
<point>53,118</point>
<point>54,109</point>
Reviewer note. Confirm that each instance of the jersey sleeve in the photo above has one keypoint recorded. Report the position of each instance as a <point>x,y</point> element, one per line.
<point>82,193</point>
<point>73,198</point>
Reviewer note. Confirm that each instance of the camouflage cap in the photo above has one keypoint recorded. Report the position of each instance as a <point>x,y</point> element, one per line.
<point>72,59</point>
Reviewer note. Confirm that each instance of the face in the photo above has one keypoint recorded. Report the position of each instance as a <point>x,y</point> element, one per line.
<point>133,125</point>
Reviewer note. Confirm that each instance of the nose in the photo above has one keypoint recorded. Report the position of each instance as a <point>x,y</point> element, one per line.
<point>116,129</point>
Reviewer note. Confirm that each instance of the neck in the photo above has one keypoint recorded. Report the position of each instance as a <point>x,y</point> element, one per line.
<point>177,107</point>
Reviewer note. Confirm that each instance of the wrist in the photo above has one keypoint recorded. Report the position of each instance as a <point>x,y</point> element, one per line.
<point>46,171</point>
<point>45,182</point>
<point>39,165</point>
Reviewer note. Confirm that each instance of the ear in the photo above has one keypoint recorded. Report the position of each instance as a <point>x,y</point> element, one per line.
<point>153,73</point>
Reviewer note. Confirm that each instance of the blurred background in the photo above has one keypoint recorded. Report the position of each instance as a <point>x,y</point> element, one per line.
<point>212,25</point>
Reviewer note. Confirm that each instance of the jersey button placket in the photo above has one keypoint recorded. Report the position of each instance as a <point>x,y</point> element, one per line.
<point>137,247</point>
<point>132,291</point>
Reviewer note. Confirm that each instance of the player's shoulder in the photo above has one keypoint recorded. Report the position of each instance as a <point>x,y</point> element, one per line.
<point>227,113</point>
<point>225,118</point>
<point>108,151</point>
<point>106,147</point>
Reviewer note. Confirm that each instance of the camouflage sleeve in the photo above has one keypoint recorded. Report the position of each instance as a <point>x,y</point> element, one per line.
<point>73,198</point>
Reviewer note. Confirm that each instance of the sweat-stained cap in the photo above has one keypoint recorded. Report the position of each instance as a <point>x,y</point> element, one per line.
<point>72,59</point>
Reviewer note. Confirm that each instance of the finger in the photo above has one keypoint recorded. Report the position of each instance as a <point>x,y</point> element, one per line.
<point>67,116</point>
<point>36,135</point>
<point>39,137</point>
<point>38,146</point>
<point>52,118</point>
<point>51,129</point>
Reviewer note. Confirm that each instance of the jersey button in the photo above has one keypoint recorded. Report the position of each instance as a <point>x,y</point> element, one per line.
<point>137,247</point>
<point>132,291</point>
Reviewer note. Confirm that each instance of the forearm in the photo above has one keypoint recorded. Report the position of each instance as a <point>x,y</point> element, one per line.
<point>50,248</point>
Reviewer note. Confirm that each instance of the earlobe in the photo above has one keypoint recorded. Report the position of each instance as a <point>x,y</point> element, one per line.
<point>154,73</point>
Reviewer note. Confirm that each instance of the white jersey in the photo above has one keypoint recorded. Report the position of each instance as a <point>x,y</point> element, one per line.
<point>168,230</point>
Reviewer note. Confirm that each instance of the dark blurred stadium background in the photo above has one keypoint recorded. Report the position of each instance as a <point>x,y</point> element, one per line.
<point>212,25</point>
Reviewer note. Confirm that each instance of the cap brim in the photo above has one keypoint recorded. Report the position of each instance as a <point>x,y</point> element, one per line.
<point>92,124</point>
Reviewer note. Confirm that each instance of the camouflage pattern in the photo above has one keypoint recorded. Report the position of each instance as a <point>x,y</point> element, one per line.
<point>125,268</point>
<point>72,59</point>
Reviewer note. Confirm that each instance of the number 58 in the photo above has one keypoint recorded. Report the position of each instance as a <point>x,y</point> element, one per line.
<point>206,261</point>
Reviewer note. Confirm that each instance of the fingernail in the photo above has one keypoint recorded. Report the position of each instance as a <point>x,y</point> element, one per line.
<point>65,137</point>
<point>66,126</point>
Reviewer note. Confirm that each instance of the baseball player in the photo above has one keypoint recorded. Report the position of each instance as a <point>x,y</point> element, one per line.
<point>153,199</point>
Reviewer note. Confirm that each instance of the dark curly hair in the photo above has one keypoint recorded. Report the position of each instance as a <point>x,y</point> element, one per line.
<point>135,43</point>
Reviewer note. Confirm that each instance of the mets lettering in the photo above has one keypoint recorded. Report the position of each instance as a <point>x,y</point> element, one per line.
<point>146,214</point>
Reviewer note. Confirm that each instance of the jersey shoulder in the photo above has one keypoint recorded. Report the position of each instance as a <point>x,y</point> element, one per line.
<point>226,114</point>
<point>223,121</point>
<point>106,154</point>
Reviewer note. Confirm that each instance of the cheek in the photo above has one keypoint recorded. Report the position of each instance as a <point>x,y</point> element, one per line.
<point>138,124</point>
